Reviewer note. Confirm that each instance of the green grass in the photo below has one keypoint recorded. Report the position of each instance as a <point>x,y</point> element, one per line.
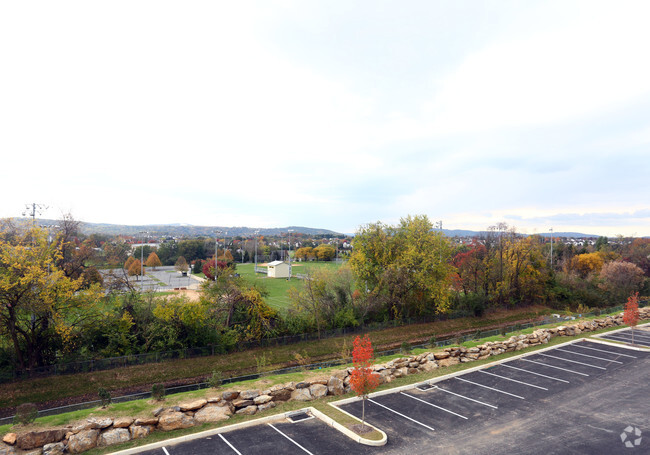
<point>278,288</point>
<point>144,407</point>
<point>38,390</point>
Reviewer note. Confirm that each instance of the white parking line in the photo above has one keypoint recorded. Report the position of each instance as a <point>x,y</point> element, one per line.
<point>533,372</point>
<point>603,350</point>
<point>463,396</point>
<point>491,388</point>
<point>400,414</point>
<point>229,444</point>
<point>587,355</point>
<point>553,366</point>
<point>165,450</point>
<point>433,405</point>
<point>639,333</point>
<point>306,451</point>
<point>513,380</point>
<point>626,339</point>
<point>572,361</point>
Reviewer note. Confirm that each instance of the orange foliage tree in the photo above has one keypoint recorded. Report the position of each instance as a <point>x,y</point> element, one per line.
<point>631,314</point>
<point>362,379</point>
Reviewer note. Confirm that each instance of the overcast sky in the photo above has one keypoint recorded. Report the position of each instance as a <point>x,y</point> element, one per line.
<point>329,114</point>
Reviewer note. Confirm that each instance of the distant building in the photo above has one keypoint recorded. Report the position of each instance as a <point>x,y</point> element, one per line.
<point>278,269</point>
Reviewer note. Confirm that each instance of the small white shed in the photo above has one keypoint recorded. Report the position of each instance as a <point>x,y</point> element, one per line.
<point>277,269</point>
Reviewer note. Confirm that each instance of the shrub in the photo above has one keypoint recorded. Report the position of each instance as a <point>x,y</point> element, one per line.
<point>216,379</point>
<point>432,341</point>
<point>158,392</point>
<point>104,396</point>
<point>26,413</point>
<point>406,347</point>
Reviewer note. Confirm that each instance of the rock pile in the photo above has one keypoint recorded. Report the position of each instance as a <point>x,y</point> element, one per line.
<point>97,432</point>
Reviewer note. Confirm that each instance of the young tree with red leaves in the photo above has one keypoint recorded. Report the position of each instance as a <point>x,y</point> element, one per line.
<point>363,380</point>
<point>631,314</point>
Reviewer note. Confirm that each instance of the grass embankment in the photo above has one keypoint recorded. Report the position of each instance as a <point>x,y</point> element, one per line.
<point>143,408</point>
<point>83,387</point>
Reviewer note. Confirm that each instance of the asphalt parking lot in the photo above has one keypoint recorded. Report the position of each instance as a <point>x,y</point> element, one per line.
<point>574,399</point>
<point>308,436</point>
<point>579,398</point>
<point>641,336</point>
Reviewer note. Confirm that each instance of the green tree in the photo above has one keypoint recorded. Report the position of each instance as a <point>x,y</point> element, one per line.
<point>405,267</point>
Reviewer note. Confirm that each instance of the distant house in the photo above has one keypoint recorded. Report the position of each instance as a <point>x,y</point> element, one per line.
<point>278,269</point>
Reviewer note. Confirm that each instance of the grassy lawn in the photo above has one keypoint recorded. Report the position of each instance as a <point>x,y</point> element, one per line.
<point>142,408</point>
<point>237,363</point>
<point>278,288</point>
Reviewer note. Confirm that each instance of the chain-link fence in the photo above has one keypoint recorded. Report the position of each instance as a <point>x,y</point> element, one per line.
<point>431,344</point>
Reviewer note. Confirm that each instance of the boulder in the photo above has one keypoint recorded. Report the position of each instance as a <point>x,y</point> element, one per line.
<point>114,436</point>
<point>318,390</point>
<point>449,361</point>
<point>150,421</point>
<point>122,422</point>
<point>302,385</point>
<point>441,355</point>
<point>265,406</point>
<point>34,439</point>
<point>193,405</point>
<point>249,394</point>
<point>82,441</point>
<point>248,410</point>
<point>301,395</point>
<point>140,431</point>
<point>9,438</point>
<point>429,366</point>
<point>212,413</point>
<point>171,420</point>
<point>335,385</point>
<point>241,403</point>
<point>262,399</point>
<point>281,395</point>
<point>7,450</point>
<point>229,396</point>
<point>56,448</point>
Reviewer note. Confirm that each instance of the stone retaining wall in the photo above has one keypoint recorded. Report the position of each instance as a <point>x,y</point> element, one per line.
<point>217,407</point>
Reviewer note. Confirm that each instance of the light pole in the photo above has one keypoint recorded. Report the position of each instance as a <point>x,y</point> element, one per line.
<point>551,249</point>
<point>142,261</point>
<point>256,232</point>
<point>216,254</point>
<point>290,231</point>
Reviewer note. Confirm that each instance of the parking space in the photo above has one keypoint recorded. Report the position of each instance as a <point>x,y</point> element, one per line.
<point>533,404</point>
<point>309,436</point>
<point>580,398</point>
<point>639,336</point>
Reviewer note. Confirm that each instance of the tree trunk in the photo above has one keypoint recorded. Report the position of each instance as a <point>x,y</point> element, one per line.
<point>363,412</point>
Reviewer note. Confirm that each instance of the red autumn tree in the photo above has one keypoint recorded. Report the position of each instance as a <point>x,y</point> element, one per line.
<point>631,314</point>
<point>208,268</point>
<point>362,379</point>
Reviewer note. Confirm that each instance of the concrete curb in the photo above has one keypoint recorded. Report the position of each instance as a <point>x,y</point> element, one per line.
<point>450,375</point>
<point>598,338</point>
<point>203,434</point>
<point>351,434</point>
<point>262,420</point>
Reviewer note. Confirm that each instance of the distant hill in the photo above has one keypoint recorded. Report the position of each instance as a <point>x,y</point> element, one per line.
<point>188,230</point>
<point>466,233</point>
<point>183,230</point>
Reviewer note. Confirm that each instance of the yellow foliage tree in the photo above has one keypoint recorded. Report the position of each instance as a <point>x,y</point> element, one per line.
<point>40,306</point>
<point>153,260</point>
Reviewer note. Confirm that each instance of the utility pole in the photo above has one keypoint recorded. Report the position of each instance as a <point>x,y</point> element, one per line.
<point>34,209</point>
<point>256,233</point>
<point>290,231</point>
<point>216,254</point>
<point>141,260</point>
<point>551,249</point>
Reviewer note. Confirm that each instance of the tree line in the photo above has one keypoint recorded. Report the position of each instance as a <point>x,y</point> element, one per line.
<point>52,296</point>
